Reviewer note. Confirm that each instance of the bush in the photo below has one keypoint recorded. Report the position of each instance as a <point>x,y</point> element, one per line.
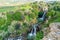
<point>18,16</point>
<point>39,35</point>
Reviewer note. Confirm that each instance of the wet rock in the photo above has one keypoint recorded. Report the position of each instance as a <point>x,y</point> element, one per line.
<point>54,32</point>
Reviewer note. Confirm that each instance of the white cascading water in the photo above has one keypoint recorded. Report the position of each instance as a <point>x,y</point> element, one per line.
<point>42,18</point>
<point>33,32</point>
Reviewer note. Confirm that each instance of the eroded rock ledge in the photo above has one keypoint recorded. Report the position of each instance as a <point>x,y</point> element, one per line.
<point>54,32</point>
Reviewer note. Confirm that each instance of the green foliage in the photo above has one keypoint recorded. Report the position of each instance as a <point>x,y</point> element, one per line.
<point>17,26</point>
<point>53,11</point>
<point>2,21</point>
<point>27,18</point>
<point>39,35</point>
<point>25,24</point>
<point>18,16</point>
<point>7,8</point>
<point>32,15</point>
<point>1,38</point>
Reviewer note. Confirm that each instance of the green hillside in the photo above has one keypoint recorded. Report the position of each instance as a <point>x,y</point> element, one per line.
<point>19,19</point>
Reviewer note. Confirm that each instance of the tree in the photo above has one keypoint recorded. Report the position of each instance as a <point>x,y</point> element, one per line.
<point>17,27</point>
<point>18,16</point>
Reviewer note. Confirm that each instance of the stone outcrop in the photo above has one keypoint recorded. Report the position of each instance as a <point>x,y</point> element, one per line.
<point>54,32</point>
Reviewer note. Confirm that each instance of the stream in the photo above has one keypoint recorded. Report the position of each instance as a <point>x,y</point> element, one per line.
<point>32,34</point>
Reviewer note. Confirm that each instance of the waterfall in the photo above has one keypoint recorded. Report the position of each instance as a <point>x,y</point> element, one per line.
<point>34,30</point>
<point>32,34</point>
<point>43,16</point>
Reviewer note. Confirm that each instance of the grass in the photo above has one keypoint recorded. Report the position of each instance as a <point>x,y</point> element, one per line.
<point>13,8</point>
<point>7,8</point>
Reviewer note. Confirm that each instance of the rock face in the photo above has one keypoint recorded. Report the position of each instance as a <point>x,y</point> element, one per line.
<point>54,32</point>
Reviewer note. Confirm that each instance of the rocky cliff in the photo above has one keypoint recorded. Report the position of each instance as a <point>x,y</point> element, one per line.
<point>54,32</point>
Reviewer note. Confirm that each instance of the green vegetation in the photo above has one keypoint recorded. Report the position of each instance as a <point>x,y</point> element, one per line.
<point>26,15</point>
<point>39,35</point>
<point>7,8</point>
